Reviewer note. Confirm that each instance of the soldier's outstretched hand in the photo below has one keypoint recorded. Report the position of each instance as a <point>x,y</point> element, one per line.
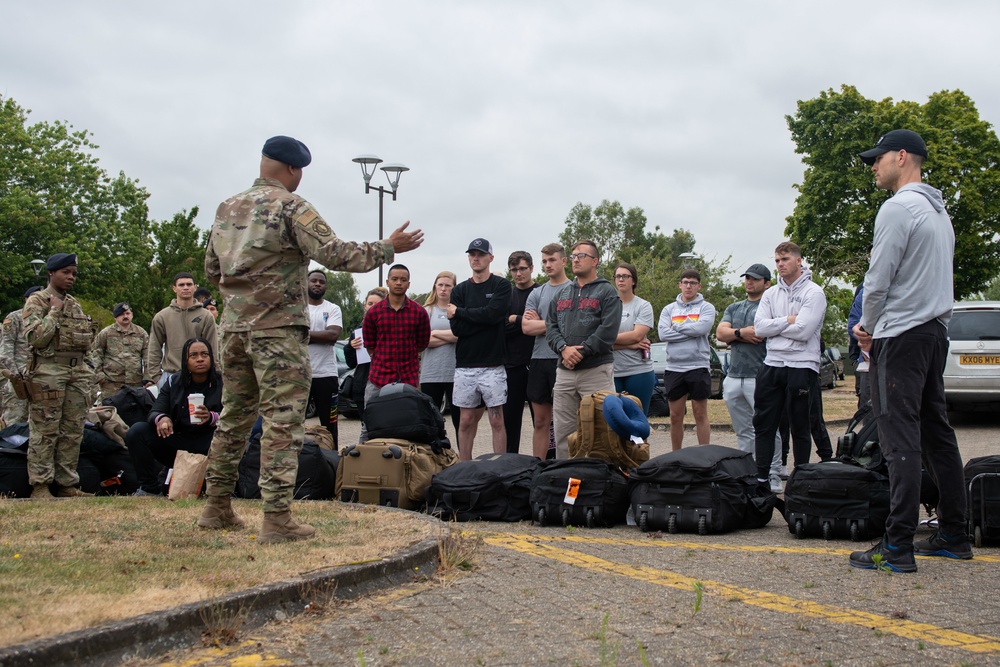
<point>404,241</point>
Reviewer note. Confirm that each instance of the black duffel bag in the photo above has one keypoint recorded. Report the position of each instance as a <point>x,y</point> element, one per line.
<point>703,489</point>
<point>402,412</point>
<point>132,403</point>
<point>316,478</point>
<point>491,487</point>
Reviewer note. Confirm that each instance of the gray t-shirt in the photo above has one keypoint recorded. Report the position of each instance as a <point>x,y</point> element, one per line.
<point>438,363</point>
<point>630,362</point>
<point>539,301</point>
<point>744,358</point>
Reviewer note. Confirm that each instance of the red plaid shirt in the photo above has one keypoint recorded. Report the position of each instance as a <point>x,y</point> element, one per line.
<point>395,339</point>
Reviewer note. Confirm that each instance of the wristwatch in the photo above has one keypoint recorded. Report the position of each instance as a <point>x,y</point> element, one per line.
<point>738,334</point>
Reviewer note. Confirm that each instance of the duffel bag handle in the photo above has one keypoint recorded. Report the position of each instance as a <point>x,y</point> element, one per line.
<point>449,500</point>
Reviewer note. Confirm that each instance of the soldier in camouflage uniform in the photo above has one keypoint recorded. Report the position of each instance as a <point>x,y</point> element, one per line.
<point>13,358</point>
<point>59,334</point>
<point>258,254</point>
<point>118,353</point>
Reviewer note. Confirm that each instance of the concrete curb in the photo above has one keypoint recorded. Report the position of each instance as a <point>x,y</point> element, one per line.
<point>156,633</point>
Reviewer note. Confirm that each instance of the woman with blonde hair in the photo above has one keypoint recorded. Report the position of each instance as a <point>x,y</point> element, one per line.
<point>437,366</point>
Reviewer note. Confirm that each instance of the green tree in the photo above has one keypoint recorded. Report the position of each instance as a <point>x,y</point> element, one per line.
<point>622,236</point>
<point>54,197</point>
<point>835,211</point>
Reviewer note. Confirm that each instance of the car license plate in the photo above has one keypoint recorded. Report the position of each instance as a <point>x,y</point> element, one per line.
<point>979,359</point>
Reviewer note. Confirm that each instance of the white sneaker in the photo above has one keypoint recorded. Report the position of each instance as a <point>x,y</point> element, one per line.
<point>775,482</point>
<point>783,472</point>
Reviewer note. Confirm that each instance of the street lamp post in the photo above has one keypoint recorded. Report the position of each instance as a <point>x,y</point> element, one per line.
<point>392,173</point>
<point>36,266</point>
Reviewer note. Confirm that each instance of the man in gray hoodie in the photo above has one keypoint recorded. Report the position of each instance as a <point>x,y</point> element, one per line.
<point>906,308</point>
<point>790,316</point>
<point>581,329</point>
<point>684,326</point>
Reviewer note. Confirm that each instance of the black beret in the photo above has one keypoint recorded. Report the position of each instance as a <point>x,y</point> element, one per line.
<point>60,260</point>
<point>32,290</point>
<point>120,308</point>
<point>290,151</point>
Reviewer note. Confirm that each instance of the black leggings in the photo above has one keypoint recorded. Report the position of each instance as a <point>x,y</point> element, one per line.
<point>437,391</point>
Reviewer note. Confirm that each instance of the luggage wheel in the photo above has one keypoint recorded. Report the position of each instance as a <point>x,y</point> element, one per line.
<point>703,525</point>
<point>591,521</point>
<point>855,532</point>
<point>827,530</point>
<point>672,524</point>
<point>565,518</point>
<point>541,516</point>
<point>977,534</point>
<point>644,522</point>
<point>800,529</point>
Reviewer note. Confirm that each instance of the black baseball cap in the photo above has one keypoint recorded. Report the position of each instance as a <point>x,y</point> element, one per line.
<point>481,245</point>
<point>906,140</point>
<point>758,272</point>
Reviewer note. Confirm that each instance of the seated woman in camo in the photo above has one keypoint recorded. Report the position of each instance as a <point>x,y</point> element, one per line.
<point>173,423</point>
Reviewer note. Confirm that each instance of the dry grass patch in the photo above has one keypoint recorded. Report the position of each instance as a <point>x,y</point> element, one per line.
<point>72,564</point>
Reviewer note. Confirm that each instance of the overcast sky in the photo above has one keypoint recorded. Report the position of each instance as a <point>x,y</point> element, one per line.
<point>507,113</point>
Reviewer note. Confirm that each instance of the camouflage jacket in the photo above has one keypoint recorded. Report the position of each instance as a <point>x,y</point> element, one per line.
<point>47,330</point>
<point>259,252</point>
<point>117,355</point>
<point>14,346</point>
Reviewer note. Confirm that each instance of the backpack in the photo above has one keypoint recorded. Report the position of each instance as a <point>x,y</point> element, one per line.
<point>133,404</point>
<point>595,439</point>
<point>860,444</point>
<point>399,411</point>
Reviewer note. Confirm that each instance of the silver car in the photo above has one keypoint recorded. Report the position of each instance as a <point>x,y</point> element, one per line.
<point>972,370</point>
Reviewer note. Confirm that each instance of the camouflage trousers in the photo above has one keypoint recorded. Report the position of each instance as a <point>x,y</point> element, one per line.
<point>56,424</point>
<point>14,409</point>
<point>266,372</point>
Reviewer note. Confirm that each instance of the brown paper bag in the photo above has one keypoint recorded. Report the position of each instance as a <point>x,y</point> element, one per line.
<point>188,475</point>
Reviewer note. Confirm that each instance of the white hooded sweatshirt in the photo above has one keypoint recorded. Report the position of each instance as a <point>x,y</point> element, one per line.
<point>795,345</point>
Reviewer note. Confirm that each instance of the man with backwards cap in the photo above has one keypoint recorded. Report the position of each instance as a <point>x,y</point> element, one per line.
<point>257,256</point>
<point>13,357</point>
<point>60,335</point>
<point>746,356</point>
<point>906,308</point>
<point>478,314</point>
<point>118,353</point>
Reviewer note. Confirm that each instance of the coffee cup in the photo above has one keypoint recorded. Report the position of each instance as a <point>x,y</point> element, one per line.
<point>194,400</point>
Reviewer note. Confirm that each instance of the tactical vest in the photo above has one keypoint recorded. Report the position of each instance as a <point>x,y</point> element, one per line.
<point>74,332</point>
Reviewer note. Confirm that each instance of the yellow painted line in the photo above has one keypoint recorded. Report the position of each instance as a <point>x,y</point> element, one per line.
<point>670,543</point>
<point>781,603</point>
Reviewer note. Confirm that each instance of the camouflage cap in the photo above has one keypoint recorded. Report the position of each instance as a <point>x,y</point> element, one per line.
<point>290,151</point>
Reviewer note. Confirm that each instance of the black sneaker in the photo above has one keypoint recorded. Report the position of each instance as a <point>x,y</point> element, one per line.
<point>883,557</point>
<point>947,547</point>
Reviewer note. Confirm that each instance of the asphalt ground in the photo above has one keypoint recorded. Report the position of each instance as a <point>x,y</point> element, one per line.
<point>574,596</point>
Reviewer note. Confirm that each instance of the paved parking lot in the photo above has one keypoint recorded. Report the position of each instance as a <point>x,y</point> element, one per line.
<point>617,596</point>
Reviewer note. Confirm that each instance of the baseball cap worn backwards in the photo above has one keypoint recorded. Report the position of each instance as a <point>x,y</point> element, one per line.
<point>758,272</point>
<point>905,140</point>
<point>290,151</point>
<point>481,245</point>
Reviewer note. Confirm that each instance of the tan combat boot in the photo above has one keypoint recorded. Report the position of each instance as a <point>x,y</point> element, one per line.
<point>40,491</point>
<point>71,492</point>
<point>218,514</point>
<point>281,527</point>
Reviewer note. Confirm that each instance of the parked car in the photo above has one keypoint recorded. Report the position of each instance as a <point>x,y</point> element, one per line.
<point>972,369</point>
<point>658,354</point>
<point>827,371</point>
<point>838,360</point>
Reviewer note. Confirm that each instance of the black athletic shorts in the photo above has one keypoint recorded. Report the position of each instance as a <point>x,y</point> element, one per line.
<point>696,384</point>
<point>541,379</point>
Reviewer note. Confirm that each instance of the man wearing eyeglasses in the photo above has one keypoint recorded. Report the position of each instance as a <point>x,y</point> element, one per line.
<point>519,347</point>
<point>581,329</point>
<point>684,327</point>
